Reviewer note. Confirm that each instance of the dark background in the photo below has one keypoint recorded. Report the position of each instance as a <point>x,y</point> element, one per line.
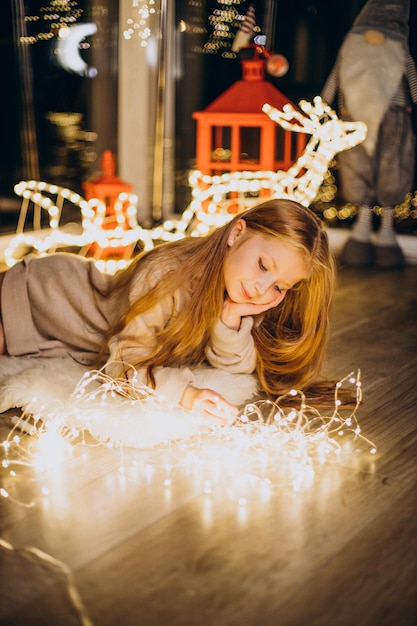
<point>307,32</point>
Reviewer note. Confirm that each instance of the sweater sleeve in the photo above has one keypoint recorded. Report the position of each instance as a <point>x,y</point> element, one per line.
<point>233,350</point>
<point>170,381</point>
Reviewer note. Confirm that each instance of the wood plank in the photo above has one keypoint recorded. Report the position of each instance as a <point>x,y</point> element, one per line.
<point>341,551</point>
<point>240,568</point>
<point>371,581</point>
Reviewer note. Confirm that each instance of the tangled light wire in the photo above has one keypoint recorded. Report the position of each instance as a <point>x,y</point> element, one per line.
<point>268,445</point>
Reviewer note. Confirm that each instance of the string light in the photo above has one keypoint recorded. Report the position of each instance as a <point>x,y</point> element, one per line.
<point>215,199</point>
<point>139,25</point>
<point>224,21</point>
<point>270,443</point>
<point>123,235</point>
<point>58,14</point>
<point>329,136</point>
<point>407,209</point>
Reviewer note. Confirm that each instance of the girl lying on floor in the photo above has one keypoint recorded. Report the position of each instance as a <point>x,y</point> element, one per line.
<point>252,296</point>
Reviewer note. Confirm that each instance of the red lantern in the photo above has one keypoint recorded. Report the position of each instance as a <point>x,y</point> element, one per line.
<point>112,212</point>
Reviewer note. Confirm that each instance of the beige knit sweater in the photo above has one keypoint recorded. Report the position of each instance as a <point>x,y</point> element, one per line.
<point>55,306</point>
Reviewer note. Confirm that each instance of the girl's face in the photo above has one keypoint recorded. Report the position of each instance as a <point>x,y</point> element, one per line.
<point>260,270</point>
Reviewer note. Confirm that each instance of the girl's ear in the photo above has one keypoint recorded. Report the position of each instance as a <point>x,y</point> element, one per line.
<point>237,231</point>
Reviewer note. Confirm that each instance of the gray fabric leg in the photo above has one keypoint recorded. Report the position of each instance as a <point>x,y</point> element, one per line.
<point>388,253</point>
<point>358,250</point>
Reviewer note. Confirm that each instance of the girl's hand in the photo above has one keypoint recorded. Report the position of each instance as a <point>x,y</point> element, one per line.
<point>210,404</point>
<point>232,312</point>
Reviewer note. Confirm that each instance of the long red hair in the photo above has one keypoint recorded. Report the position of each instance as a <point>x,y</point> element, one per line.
<point>290,339</point>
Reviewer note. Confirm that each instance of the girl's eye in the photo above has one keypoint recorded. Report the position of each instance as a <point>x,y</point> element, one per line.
<point>265,269</point>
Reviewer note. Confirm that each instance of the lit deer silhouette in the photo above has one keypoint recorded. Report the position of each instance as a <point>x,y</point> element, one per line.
<point>329,135</point>
<point>217,198</point>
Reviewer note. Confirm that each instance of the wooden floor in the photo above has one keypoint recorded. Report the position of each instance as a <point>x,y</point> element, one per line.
<point>157,545</point>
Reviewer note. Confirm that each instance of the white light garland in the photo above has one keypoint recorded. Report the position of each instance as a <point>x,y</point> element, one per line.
<point>270,444</point>
<point>139,24</point>
<point>119,231</point>
<point>233,192</point>
<point>215,199</point>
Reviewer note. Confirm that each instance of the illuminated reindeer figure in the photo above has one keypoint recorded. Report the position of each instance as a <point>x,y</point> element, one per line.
<point>329,135</point>
<point>217,198</point>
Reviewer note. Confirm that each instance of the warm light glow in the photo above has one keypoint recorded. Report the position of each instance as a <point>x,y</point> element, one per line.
<point>269,444</point>
<point>329,136</point>
<point>138,24</point>
<point>123,234</point>
<point>67,49</point>
<point>58,14</point>
<point>215,199</point>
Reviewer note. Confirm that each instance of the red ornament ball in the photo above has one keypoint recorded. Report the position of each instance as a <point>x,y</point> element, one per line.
<point>277,65</point>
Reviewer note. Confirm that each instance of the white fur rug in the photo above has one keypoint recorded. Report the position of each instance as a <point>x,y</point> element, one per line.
<point>63,394</point>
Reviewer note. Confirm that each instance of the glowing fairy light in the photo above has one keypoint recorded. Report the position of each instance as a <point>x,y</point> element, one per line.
<point>52,447</point>
<point>329,136</point>
<point>139,24</point>
<point>215,199</point>
<point>58,14</point>
<point>270,444</point>
<point>223,21</point>
<point>95,230</point>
